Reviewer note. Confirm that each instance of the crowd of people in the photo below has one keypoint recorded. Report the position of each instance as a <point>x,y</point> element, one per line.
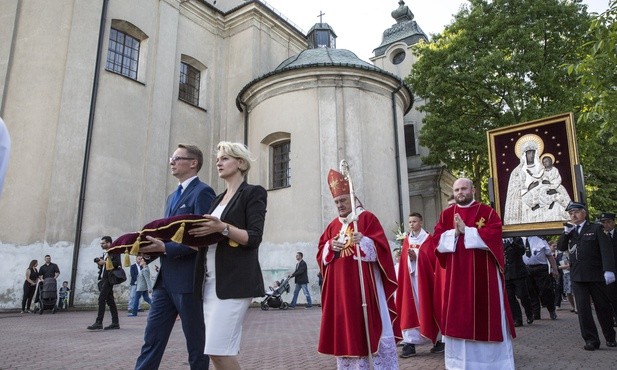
<point>457,289</point>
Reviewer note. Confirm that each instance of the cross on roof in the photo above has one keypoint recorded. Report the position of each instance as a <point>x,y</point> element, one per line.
<point>321,14</point>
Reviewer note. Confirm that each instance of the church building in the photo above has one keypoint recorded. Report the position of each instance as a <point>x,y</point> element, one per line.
<point>97,94</point>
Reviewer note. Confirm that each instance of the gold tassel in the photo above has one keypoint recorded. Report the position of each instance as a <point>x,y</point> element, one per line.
<point>179,235</point>
<point>109,264</point>
<point>135,249</point>
<point>127,258</point>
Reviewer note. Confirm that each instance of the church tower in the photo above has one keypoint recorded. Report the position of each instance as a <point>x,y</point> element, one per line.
<point>316,108</point>
<point>429,186</point>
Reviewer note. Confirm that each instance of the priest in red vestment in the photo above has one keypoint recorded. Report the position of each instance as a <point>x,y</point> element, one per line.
<point>475,317</point>
<point>343,331</point>
<point>415,295</point>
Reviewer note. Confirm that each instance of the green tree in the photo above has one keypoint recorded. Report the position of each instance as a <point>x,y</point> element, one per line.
<point>499,63</point>
<point>597,76</point>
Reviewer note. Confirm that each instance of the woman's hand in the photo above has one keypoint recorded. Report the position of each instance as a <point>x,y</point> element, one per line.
<point>155,246</point>
<point>209,226</point>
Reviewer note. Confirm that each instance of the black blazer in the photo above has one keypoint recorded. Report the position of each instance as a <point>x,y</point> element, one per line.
<point>301,273</point>
<point>513,251</point>
<point>238,273</point>
<point>593,255</point>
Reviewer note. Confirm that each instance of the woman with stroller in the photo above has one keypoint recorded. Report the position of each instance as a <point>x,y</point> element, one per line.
<point>233,273</point>
<point>32,276</point>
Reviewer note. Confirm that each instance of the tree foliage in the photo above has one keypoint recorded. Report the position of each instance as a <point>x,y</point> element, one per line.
<point>596,73</point>
<point>499,63</point>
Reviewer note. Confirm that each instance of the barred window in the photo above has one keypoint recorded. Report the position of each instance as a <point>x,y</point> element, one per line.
<point>189,84</point>
<point>122,54</point>
<point>281,171</point>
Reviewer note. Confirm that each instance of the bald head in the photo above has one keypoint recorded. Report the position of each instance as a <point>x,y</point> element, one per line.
<point>463,191</point>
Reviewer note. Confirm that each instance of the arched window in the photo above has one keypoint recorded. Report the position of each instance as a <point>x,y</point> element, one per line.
<point>279,144</point>
<point>126,52</point>
<point>191,87</point>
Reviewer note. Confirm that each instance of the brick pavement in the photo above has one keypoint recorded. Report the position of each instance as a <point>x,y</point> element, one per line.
<point>272,339</point>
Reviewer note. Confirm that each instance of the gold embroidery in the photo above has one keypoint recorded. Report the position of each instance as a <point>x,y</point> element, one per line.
<point>334,184</point>
<point>480,224</point>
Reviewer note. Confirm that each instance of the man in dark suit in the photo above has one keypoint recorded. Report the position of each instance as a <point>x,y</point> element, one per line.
<point>106,288</point>
<point>608,222</point>
<point>515,273</point>
<point>592,267</point>
<point>173,290</point>
<point>301,280</point>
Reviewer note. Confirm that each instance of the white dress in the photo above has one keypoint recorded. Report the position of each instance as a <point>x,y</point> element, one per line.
<point>223,317</point>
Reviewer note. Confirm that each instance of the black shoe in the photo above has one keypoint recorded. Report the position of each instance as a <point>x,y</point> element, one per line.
<point>439,347</point>
<point>553,315</point>
<point>530,320</point>
<point>591,346</point>
<point>611,344</point>
<point>95,326</point>
<point>305,307</point>
<point>537,317</point>
<point>112,326</point>
<point>518,323</point>
<point>409,350</point>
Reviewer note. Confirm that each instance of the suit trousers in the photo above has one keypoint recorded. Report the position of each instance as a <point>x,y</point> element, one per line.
<point>583,291</point>
<point>611,290</point>
<point>165,308</point>
<point>540,284</point>
<point>518,288</point>
<point>106,296</point>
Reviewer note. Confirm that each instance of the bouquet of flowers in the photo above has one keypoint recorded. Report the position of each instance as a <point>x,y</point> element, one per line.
<point>399,233</point>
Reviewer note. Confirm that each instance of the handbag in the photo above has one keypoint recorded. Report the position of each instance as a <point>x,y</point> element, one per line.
<point>117,276</point>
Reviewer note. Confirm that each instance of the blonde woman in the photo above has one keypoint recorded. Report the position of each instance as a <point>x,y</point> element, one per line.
<point>233,275</point>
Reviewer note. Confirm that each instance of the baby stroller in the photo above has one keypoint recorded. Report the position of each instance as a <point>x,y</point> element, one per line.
<point>273,296</point>
<point>47,296</point>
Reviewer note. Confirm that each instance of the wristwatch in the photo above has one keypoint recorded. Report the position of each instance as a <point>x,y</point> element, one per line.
<point>225,231</point>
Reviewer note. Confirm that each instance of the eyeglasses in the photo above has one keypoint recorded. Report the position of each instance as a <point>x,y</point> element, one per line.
<point>177,158</point>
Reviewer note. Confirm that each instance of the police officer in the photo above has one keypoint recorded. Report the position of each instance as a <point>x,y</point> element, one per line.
<point>608,222</point>
<point>592,267</point>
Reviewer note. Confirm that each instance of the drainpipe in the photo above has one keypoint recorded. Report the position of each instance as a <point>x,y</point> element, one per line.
<point>11,54</point>
<point>397,155</point>
<point>246,121</point>
<point>84,173</point>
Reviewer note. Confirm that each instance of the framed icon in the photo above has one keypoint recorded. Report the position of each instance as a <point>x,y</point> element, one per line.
<point>532,167</point>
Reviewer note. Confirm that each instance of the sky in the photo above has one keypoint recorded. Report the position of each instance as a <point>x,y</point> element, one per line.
<point>359,24</point>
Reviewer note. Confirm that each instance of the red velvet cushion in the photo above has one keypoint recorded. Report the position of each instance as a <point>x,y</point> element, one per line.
<point>176,229</point>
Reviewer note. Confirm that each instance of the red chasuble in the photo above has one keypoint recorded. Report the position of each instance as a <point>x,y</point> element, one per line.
<point>342,325</point>
<point>471,308</point>
<point>425,267</point>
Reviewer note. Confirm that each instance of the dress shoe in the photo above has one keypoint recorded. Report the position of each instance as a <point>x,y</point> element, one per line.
<point>409,350</point>
<point>611,344</point>
<point>439,347</point>
<point>518,323</point>
<point>95,326</point>
<point>553,315</point>
<point>530,320</point>
<point>590,346</point>
<point>112,326</point>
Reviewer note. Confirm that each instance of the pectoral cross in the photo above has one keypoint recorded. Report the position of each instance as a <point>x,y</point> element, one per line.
<point>480,224</point>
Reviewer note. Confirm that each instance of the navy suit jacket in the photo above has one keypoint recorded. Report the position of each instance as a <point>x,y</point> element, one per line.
<point>134,273</point>
<point>176,273</point>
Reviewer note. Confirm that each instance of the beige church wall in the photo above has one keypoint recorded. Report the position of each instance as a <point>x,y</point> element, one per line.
<point>32,99</point>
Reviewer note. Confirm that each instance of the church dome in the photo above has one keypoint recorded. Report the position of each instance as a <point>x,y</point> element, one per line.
<point>325,57</point>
